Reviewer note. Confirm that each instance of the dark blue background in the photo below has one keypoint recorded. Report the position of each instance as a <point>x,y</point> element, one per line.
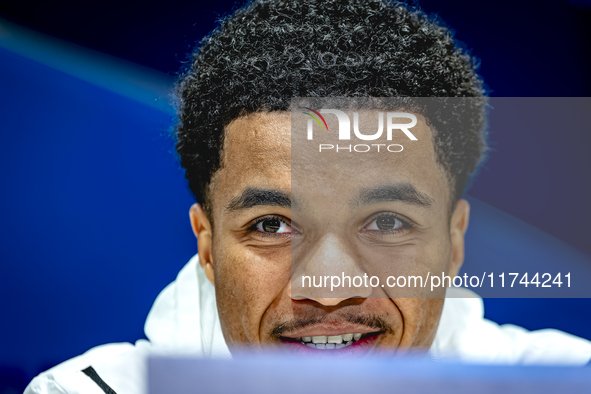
<point>93,207</point>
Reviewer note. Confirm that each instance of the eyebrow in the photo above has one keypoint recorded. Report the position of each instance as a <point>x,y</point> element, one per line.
<point>403,192</point>
<point>252,197</point>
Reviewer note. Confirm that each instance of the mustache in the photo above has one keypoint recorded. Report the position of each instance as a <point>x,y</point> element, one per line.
<point>371,321</point>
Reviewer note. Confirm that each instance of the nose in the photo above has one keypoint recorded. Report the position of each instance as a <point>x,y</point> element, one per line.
<point>325,273</point>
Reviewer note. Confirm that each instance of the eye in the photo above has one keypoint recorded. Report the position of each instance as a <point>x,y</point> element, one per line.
<point>272,225</point>
<point>386,222</point>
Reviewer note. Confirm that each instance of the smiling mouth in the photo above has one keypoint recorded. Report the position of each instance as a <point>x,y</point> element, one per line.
<point>332,342</point>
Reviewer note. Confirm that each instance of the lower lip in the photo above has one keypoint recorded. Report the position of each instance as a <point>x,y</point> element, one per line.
<point>359,347</point>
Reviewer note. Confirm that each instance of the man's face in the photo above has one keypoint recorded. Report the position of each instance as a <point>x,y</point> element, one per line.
<point>270,230</point>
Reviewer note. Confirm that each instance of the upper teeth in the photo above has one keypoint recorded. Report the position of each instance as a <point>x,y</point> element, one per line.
<point>330,342</point>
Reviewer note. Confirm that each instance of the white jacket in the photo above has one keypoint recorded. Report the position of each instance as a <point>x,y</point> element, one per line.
<point>184,320</point>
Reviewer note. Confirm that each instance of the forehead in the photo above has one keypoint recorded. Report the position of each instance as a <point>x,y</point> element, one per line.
<point>260,151</point>
<point>257,148</point>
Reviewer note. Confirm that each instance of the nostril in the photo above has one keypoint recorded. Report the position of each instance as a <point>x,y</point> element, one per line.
<point>329,301</point>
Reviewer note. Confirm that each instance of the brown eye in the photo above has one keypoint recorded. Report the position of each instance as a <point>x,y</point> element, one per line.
<point>271,225</point>
<point>387,223</point>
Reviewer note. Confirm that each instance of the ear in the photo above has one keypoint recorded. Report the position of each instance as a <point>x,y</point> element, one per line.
<point>202,230</point>
<point>458,226</point>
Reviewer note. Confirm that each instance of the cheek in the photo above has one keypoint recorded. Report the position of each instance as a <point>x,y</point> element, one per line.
<point>434,252</point>
<point>399,268</point>
<point>421,319</point>
<point>246,282</point>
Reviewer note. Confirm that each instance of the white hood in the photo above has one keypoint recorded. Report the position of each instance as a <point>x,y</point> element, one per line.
<point>184,317</point>
<point>184,320</point>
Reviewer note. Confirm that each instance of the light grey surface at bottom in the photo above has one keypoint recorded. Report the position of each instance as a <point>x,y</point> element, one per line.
<point>290,375</point>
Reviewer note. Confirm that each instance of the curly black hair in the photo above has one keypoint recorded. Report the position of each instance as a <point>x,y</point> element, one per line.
<point>269,51</point>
